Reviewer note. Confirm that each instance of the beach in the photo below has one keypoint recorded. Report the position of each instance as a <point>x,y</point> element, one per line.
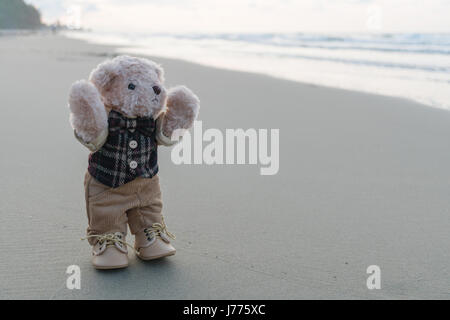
<point>363,180</point>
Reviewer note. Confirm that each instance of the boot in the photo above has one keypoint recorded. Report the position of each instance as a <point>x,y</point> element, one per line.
<point>154,242</point>
<point>110,251</point>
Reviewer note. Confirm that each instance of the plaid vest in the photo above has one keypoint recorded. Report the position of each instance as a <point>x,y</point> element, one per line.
<point>130,151</point>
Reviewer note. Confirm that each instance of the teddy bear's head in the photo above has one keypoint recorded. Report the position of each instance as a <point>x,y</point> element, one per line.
<point>131,86</point>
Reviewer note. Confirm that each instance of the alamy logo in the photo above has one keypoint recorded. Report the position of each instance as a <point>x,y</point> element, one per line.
<point>74,279</point>
<point>239,146</point>
<point>374,20</point>
<point>374,280</point>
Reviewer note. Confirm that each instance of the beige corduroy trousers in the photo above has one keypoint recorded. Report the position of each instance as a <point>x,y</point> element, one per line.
<point>137,203</point>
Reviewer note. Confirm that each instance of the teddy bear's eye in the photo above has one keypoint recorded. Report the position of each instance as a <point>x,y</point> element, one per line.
<point>131,86</point>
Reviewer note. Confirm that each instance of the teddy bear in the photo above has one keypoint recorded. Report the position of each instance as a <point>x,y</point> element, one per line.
<point>122,114</point>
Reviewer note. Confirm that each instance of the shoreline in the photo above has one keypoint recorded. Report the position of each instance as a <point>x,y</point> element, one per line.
<point>362,180</point>
<point>142,51</point>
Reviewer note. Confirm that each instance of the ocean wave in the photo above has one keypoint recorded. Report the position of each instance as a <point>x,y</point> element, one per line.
<point>380,64</point>
<point>404,43</point>
<point>412,66</point>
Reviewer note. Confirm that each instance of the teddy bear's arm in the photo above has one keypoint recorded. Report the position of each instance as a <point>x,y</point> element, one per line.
<point>182,110</point>
<point>95,144</point>
<point>161,139</point>
<point>88,115</point>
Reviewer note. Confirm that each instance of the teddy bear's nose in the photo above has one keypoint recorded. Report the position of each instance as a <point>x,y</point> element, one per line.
<point>157,89</point>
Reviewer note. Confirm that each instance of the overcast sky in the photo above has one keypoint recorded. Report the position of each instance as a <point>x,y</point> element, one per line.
<point>251,15</point>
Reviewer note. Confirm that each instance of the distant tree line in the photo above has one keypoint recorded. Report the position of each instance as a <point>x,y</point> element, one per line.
<point>16,14</point>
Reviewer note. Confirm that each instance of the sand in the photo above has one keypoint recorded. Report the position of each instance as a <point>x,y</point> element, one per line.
<point>363,180</point>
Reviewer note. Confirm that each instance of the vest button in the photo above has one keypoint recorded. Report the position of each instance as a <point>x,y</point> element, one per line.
<point>133,144</point>
<point>133,164</point>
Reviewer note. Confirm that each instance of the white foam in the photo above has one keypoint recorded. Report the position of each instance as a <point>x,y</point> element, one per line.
<point>410,66</point>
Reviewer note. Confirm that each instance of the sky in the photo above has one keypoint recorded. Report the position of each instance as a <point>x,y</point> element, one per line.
<point>237,16</point>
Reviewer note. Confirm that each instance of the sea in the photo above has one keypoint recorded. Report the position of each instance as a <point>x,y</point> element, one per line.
<point>414,66</point>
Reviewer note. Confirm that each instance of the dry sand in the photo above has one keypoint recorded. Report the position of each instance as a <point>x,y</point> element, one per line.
<point>363,180</point>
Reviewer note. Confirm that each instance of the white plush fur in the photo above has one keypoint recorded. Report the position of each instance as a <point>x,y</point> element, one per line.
<point>109,89</point>
<point>112,78</point>
<point>182,110</point>
<point>88,115</point>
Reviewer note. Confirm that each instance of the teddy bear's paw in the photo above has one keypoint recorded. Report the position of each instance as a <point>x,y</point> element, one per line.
<point>88,115</point>
<point>182,110</point>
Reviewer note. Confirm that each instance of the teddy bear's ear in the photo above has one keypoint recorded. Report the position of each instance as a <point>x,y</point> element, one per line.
<point>160,72</point>
<point>103,75</point>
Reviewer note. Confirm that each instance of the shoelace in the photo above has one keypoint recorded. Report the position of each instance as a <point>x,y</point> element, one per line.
<point>158,228</point>
<point>109,238</point>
